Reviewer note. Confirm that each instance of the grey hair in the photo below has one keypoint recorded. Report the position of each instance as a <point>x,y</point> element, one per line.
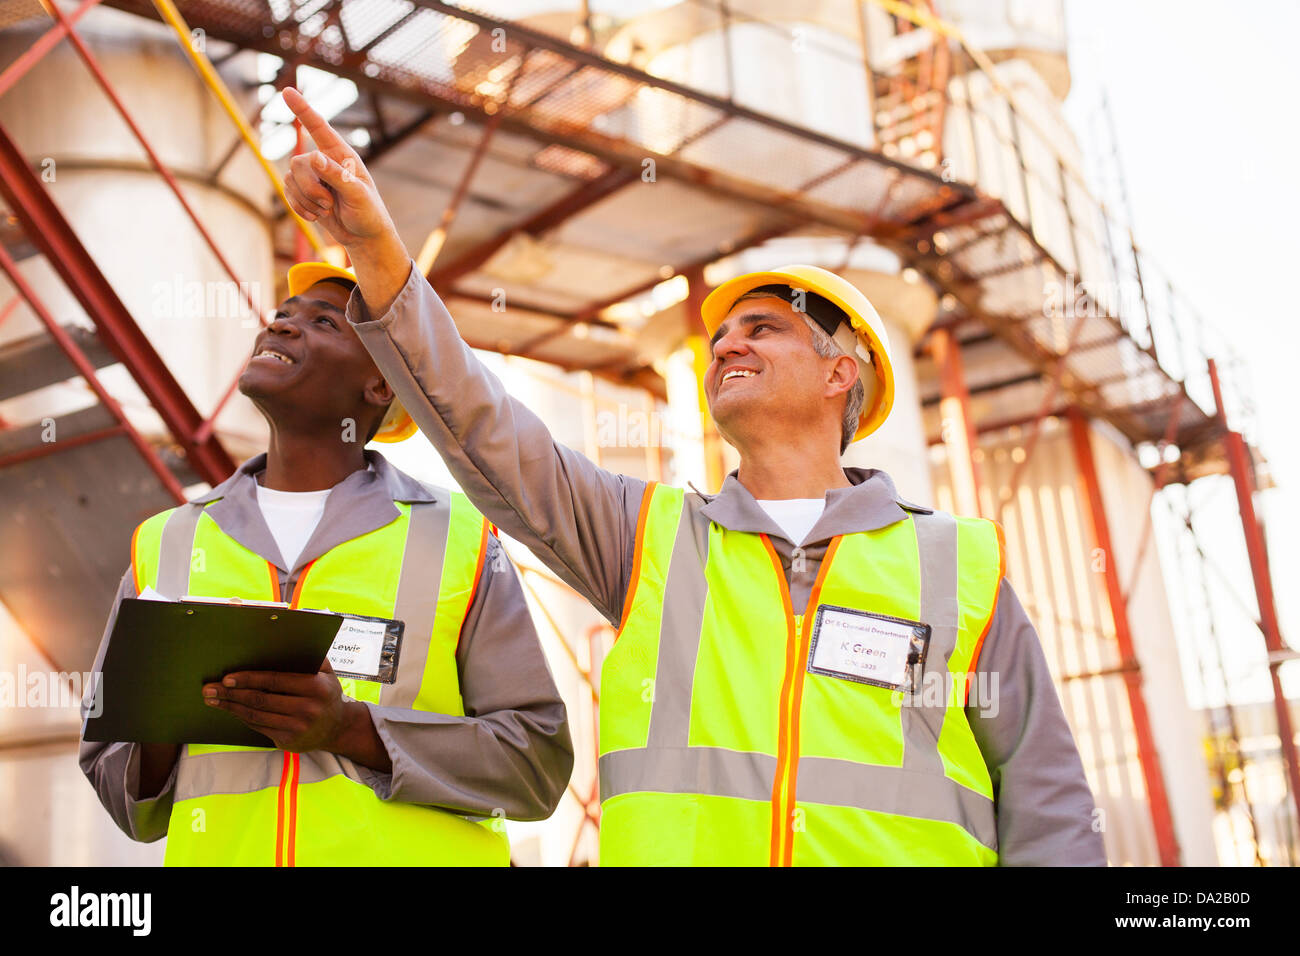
<point>827,347</point>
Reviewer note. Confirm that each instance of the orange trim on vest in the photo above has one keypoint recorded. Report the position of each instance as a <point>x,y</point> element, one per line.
<point>279,811</point>
<point>997,591</point>
<point>637,548</point>
<point>275,581</point>
<point>785,783</point>
<point>286,833</point>
<point>135,559</point>
<point>293,809</point>
<point>286,836</point>
<point>796,706</point>
<point>297,588</point>
<point>782,738</point>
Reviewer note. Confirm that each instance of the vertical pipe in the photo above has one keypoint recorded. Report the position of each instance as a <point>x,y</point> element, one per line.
<point>957,428</point>
<point>1244,483</point>
<point>1161,817</point>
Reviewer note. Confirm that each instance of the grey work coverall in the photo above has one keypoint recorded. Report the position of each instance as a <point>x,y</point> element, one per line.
<point>580,520</point>
<point>511,751</point>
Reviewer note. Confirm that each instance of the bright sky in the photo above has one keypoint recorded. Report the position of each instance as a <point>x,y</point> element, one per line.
<point>1201,95</point>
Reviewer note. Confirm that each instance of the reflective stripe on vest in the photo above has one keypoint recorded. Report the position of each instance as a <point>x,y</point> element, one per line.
<point>254,805</point>
<point>718,746</point>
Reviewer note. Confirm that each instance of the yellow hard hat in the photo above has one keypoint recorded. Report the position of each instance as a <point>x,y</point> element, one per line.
<point>397,424</point>
<point>865,337</point>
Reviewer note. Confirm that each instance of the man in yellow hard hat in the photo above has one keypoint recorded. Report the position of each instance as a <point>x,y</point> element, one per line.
<point>808,668</point>
<point>415,762</point>
<point>395,424</point>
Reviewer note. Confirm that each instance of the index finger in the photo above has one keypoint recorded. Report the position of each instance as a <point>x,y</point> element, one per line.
<point>278,682</point>
<point>322,133</point>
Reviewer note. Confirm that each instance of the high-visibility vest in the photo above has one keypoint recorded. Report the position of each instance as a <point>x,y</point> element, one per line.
<point>718,746</point>
<point>251,806</point>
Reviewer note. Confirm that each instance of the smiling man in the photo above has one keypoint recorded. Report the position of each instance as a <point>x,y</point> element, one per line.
<point>790,681</point>
<point>419,771</point>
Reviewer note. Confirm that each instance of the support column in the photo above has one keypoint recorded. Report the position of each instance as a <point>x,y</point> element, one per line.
<point>1161,817</point>
<point>1244,483</point>
<point>956,426</point>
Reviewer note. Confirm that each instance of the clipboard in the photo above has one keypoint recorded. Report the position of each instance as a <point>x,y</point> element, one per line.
<point>161,653</point>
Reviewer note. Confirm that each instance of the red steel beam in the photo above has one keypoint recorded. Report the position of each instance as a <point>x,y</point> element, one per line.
<point>452,209</point>
<point>50,232</point>
<point>1161,817</point>
<point>63,444</point>
<point>93,65</point>
<point>204,430</point>
<point>689,268</point>
<point>48,41</point>
<point>9,308</point>
<point>1016,421</point>
<point>87,369</point>
<point>1243,481</point>
<point>532,37</point>
<point>564,208</point>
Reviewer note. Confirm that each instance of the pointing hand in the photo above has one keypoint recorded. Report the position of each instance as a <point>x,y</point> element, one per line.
<point>331,186</point>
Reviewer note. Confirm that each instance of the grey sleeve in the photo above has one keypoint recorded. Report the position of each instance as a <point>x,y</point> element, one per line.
<point>579,519</point>
<point>511,753</point>
<point>113,769</point>
<point>1044,805</point>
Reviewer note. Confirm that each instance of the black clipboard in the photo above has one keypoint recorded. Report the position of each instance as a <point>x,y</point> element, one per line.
<point>161,653</point>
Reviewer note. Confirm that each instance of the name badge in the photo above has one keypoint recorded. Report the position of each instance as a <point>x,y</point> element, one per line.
<point>867,648</point>
<point>366,648</point>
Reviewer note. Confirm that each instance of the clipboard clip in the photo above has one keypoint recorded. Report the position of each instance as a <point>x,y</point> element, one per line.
<point>237,601</point>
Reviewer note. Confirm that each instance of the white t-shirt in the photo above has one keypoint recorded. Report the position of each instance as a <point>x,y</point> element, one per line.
<point>794,516</point>
<point>292,517</point>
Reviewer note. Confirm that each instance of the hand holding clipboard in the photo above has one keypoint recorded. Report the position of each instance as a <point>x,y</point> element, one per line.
<point>161,654</point>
